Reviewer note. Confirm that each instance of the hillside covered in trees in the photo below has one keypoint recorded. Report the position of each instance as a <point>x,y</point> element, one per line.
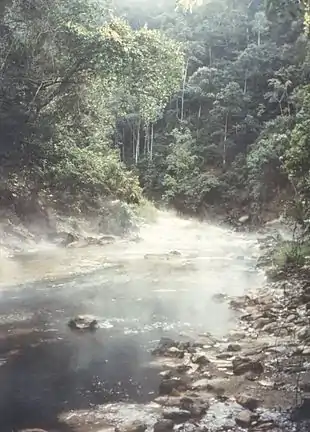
<point>196,106</point>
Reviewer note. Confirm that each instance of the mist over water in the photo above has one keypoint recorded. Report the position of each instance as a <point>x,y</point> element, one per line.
<point>162,285</point>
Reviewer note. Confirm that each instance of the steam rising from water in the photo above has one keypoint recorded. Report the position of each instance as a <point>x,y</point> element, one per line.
<point>160,286</point>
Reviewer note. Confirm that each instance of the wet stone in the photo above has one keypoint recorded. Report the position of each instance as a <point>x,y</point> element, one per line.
<point>164,345</point>
<point>83,322</point>
<point>32,430</point>
<point>200,359</point>
<point>177,415</point>
<point>248,402</point>
<point>216,386</point>
<point>175,352</point>
<point>234,347</point>
<point>167,386</point>
<point>135,426</point>
<point>189,427</point>
<point>196,406</point>
<point>164,425</point>
<point>244,419</point>
<point>243,365</point>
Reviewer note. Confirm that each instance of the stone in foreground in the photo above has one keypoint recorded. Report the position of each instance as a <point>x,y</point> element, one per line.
<point>244,419</point>
<point>243,365</point>
<point>164,425</point>
<point>248,402</point>
<point>83,323</point>
<point>134,426</point>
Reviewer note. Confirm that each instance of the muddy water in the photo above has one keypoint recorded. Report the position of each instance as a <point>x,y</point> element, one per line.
<point>163,285</point>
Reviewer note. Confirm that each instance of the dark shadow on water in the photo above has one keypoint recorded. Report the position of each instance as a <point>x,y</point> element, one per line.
<point>47,371</point>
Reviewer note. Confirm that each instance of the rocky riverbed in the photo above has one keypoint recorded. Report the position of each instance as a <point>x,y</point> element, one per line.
<point>189,336</point>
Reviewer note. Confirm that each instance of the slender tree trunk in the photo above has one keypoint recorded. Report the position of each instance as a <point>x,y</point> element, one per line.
<point>123,146</point>
<point>138,143</point>
<point>152,141</point>
<point>225,141</point>
<point>245,88</point>
<point>259,38</point>
<point>147,138</point>
<point>199,112</point>
<point>281,109</point>
<point>183,89</point>
<point>133,138</point>
<point>210,56</point>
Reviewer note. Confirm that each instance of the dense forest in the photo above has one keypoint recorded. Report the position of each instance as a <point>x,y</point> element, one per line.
<point>194,105</point>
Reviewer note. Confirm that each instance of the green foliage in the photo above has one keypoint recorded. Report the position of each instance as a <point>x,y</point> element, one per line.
<point>70,71</point>
<point>288,255</point>
<point>205,105</point>
<point>95,173</point>
<point>185,185</point>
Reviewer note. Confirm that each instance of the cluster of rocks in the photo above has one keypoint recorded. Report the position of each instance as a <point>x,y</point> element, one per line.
<point>206,372</point>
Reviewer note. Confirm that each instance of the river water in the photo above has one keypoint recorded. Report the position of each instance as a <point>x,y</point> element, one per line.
<point>162,285</point>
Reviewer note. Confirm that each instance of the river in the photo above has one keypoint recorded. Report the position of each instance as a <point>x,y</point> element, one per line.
<point>163,285</point>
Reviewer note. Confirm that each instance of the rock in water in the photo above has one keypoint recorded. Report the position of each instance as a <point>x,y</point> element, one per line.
<point>134,426</point>
<point>244,219</point>
<point>83,322</point>
<point>32,430</point>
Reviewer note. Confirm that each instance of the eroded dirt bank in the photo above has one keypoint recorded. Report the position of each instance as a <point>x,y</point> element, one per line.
<point>187,339</point>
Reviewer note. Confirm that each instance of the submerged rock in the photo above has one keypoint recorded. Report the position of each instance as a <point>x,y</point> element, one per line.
<point>83,322</point>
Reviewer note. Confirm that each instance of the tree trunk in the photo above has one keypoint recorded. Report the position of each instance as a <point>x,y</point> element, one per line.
<point>183,90</point>
<point>147,139</point>
<point>138,143</point>
<point>225,141</point>
<point>133,138</point>
<point>199,112</point>
<point>245,88</point>
<point>210,56</point>
<point>152,141</point>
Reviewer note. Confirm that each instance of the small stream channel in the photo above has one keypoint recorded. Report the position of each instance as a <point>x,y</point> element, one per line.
<point>163,285</point>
